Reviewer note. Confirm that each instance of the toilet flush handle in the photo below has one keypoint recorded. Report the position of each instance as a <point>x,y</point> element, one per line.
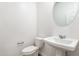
<point>20,43</point>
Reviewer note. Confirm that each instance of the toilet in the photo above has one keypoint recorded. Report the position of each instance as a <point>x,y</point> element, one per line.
<point>33,50</point>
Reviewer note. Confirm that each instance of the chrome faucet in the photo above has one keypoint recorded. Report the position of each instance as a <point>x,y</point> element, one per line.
<point>62,36</point>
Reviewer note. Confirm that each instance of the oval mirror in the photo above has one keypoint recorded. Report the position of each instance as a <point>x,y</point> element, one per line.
<point>64,12</point>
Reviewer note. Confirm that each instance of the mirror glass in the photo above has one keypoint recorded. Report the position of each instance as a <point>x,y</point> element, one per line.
<point>64,12</point>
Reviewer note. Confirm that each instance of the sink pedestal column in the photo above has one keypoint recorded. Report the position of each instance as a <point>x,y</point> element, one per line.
<point>60,52</point>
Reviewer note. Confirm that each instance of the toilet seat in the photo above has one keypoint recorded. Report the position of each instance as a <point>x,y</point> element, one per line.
<point>29,50</point>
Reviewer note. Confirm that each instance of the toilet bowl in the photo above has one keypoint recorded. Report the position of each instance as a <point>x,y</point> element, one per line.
<point>30,51</point>
<point>33,50</point>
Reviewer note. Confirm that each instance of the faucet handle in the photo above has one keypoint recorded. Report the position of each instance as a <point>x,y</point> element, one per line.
<point>62,36</point>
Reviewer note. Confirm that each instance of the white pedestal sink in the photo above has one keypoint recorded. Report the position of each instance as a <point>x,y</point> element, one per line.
<point>66,44</point>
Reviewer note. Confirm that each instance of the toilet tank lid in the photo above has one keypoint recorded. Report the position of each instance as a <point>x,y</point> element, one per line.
<point>30,49</point>
<point>39,38</point>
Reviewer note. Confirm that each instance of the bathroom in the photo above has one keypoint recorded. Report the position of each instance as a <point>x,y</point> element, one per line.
<point>23,22</point>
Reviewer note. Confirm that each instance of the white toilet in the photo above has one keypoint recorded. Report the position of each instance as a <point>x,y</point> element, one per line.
<point>33,49</point>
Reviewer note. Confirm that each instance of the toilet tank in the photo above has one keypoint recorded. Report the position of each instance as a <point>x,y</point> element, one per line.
<point>39,42</point>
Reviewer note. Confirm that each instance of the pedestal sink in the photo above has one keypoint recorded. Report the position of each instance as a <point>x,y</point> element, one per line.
<point>66,44</point>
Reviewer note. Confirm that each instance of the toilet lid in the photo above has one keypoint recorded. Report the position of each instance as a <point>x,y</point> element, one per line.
<point>29,49</point>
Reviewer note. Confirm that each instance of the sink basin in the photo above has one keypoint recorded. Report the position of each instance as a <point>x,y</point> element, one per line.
<point>66,43</point>
<point>63,41</point>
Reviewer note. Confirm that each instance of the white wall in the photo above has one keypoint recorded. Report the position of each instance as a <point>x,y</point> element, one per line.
<point>17,24</point>
<point>44,18</point>
<point>46,24</point>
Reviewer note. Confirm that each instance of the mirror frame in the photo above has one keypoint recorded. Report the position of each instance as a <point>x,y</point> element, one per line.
<point>66,17</point>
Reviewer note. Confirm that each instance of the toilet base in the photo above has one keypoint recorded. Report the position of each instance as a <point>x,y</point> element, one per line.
<point>33,54</point>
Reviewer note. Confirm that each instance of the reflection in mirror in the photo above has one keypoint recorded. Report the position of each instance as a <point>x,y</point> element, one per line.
<point>64,12</point>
